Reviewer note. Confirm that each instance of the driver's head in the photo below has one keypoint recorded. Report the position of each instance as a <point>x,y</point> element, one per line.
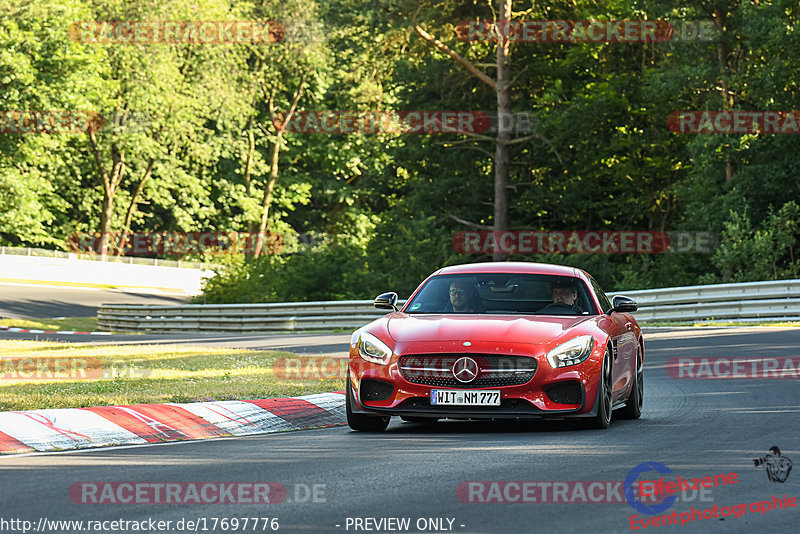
<point>461,296</point>
<point>565,291</point>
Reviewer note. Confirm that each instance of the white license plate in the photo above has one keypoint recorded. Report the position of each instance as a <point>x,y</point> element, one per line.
<point>459,397</point>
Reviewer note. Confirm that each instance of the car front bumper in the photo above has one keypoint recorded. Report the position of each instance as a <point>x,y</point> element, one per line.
<point>531,400</point>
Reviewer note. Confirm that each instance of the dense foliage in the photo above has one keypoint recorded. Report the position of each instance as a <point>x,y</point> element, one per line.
<point>192,139</point>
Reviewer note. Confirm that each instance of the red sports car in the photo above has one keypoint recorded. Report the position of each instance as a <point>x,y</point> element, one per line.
<point>507,340</point>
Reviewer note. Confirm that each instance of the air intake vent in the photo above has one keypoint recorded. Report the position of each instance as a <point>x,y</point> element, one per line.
<point>570,392</point>
<point>375,390</point>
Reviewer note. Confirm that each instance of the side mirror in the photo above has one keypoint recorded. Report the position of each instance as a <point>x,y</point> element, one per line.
<point>386,301</point>
<point>621,303</point>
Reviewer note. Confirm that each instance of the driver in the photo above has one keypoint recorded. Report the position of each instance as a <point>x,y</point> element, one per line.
<point>464,297</point>
<point>565,297</point>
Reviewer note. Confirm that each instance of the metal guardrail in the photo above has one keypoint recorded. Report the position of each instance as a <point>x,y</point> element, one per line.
<point>766,301</point>
<point>276,317</point>
<point>131,260</point>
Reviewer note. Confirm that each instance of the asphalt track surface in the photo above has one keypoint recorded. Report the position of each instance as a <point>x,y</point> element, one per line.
<point>31,301</point>
<point>695,427</point>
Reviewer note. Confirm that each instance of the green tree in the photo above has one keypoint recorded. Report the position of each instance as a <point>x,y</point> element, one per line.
<point>41,70</point>
<point>183,93</point>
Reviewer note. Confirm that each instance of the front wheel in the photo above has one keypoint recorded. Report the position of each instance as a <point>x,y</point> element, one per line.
<point>633,406</point>
<point>364,423</point>
<point>603,417</point>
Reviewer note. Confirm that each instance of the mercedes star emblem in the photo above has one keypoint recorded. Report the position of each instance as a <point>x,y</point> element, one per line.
<point>465,369</point>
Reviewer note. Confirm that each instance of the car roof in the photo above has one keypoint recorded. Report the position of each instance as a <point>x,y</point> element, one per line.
<point>515,267</point>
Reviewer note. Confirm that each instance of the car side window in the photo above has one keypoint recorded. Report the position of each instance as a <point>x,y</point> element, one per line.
<point>601,296</point>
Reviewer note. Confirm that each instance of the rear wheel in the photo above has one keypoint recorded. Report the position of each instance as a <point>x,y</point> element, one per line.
<point>603,417</point>
<point>633,406</point>
<point>364,423</point>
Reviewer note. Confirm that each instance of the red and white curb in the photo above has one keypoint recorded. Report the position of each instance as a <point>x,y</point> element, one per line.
<point>104,426</point>
<point>27,331</point>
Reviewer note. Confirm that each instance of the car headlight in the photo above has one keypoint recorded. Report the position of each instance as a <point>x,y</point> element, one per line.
<point>572,352</point>
<point>373,349</point>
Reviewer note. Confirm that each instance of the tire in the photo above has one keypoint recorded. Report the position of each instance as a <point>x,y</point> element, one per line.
<point>409,419</point>
<point>602,419</point>
<point>633,406</point>
<point>361,422</point>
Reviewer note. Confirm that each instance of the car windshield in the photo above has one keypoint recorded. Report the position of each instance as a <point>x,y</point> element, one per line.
<point>503,293</point>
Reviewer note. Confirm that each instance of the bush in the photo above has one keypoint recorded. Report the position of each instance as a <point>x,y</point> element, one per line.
<point>749,254</point>
<point>330,272</point>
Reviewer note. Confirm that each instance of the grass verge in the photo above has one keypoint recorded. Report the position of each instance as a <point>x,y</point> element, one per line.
<point>76,324</point>
<point>132,374</point>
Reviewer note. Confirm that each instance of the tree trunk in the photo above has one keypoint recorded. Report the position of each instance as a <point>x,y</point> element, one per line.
<point>105,221</point>
<point>501,87</point>
<point>276,149</point>
<point>720,18</point>
<point>501,154</point>
<point>268,193</point>
<point>110,184</point>
<point>123,241</point>
<point>251,150</point>
<point>248,170</point>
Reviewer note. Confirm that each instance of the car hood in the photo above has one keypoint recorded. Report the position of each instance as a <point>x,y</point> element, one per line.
<point>405,328</point>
